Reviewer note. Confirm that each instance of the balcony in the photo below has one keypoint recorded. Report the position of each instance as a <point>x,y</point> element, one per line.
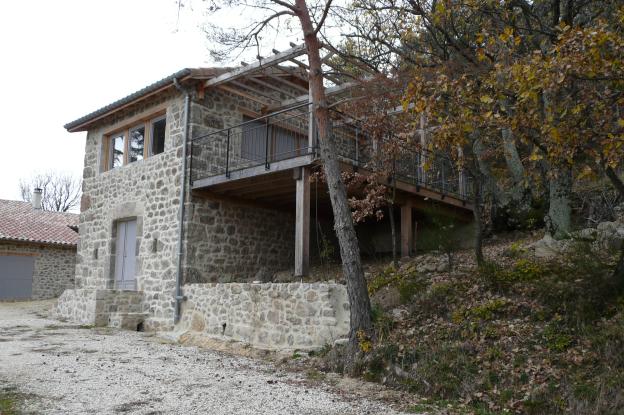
<point>275,144</point>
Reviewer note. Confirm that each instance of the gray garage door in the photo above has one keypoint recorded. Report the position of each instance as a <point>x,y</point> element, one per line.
<point>16,277</point>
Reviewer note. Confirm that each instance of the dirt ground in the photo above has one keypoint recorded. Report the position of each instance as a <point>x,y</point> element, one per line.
<point>50,367</point>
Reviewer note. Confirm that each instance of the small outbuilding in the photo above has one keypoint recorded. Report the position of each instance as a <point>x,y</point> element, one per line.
<point>37,251</point>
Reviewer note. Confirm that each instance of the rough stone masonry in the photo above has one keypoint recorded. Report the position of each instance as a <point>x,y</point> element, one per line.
<point>224,242</point>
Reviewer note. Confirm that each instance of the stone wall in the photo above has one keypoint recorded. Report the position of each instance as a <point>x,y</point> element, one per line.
<point>226,242</point>
<point>97,307</point>
<point>268,316</point>
<point>147,190</point>
<point>54,267</point>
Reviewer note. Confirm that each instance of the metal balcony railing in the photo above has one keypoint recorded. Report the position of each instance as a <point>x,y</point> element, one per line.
<point>284,135</point>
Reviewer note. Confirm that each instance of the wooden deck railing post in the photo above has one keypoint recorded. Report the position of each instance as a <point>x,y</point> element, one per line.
<point>266,146</point>
<point>227,156</point>
<point>407,230</point>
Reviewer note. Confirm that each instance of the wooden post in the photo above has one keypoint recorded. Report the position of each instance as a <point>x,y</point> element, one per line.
<point>407,230</point>
<point>302,223</point>
<point>311,127</point>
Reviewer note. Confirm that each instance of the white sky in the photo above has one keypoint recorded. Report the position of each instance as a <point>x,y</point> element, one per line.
<point>60,60</point>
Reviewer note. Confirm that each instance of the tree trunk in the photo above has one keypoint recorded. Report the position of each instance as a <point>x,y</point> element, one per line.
<point>478,217</point>
<point>559,218</point>
<point>489,181</point>
<point>515,167</point>
<point>360,309</point>
<point>395,260</point>
<point>618,272</point>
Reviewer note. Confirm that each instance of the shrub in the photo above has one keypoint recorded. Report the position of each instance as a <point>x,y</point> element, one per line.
<point>557,338</point>
<point>524,270</point>
<point>486,311</point>
<point>580,286</point>
<point>382,323</point>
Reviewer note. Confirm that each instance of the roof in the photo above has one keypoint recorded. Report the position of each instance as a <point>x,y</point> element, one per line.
<point>167,82</point>
<point>20,222</point>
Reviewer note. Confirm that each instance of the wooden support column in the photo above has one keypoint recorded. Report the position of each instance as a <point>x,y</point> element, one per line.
<point>407,230</point>
<point>311,125</point>
<point>302,222</point>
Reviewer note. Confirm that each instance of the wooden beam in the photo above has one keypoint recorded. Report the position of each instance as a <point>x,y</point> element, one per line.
<point>407,230</point>
<point>269,189</point>
<point>238,201</point>
<point>302,224</point>
<point>335,90</point>
<point>270,86</point>
<point>244,95</point>
<point>254,171</point>
<point>258,65</point>
<point>286,82</point>
<point>254,90</point>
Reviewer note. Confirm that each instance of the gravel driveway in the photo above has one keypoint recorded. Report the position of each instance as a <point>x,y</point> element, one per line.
<point>66,369</point>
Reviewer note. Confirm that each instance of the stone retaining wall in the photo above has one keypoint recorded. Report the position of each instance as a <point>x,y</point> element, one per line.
<point>268,316</point>
<point>95,307</point>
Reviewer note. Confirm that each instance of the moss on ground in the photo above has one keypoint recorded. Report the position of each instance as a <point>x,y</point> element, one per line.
<point>10,399</point>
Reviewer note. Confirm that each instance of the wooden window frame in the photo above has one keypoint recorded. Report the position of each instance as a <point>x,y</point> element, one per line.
<point>145,122</point>
<point>150,124</point>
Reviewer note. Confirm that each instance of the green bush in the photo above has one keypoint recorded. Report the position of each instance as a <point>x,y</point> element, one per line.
<point>556,337</point>
<point>580,286</point>
<point>382,323</point>
<point>523,270</point>
<point>486,311</point>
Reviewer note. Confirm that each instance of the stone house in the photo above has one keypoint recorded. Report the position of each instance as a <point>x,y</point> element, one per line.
<point>37,251</point>
<point>198,185</point>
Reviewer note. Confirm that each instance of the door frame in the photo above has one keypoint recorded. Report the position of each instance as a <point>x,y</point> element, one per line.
<point>111,263</point>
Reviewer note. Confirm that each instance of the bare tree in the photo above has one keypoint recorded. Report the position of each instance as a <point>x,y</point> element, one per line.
<point>311,18</point>
<point>61,191</point>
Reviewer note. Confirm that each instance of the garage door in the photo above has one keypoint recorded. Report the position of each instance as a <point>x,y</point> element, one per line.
<point>16,274</point>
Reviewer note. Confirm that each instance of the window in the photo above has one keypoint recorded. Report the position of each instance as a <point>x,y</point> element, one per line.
<point>283,142</point>
<point>117,151</point>
<point>137,144</point>
<point>158,135</point>
<point>138,141</point>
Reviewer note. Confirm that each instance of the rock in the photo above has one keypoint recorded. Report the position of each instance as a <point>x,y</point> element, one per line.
<point>341,342</point>
<point>387,297</point>
<point>588,234</point>
<point>263,275</point>
<point>283,276</point>
<point>607,227</point>
<point>548,247</point>
<point>399,314</point>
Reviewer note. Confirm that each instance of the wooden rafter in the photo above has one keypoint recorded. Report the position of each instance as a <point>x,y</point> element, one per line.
<point>258,65</point>
<point>269,85</point>
<point>254,90</point>
<point>338,89</point>
<point>244,94</point>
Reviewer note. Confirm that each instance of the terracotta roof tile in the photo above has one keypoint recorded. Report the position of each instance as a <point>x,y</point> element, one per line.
<point>20,222</point>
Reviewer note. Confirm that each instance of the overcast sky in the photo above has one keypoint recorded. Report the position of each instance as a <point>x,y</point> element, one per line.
<point>63,59</point>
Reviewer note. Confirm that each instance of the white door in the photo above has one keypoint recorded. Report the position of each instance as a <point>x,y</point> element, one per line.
<point>125,255</point>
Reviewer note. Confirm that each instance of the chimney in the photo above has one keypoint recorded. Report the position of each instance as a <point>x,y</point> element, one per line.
<point>36,198</point>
